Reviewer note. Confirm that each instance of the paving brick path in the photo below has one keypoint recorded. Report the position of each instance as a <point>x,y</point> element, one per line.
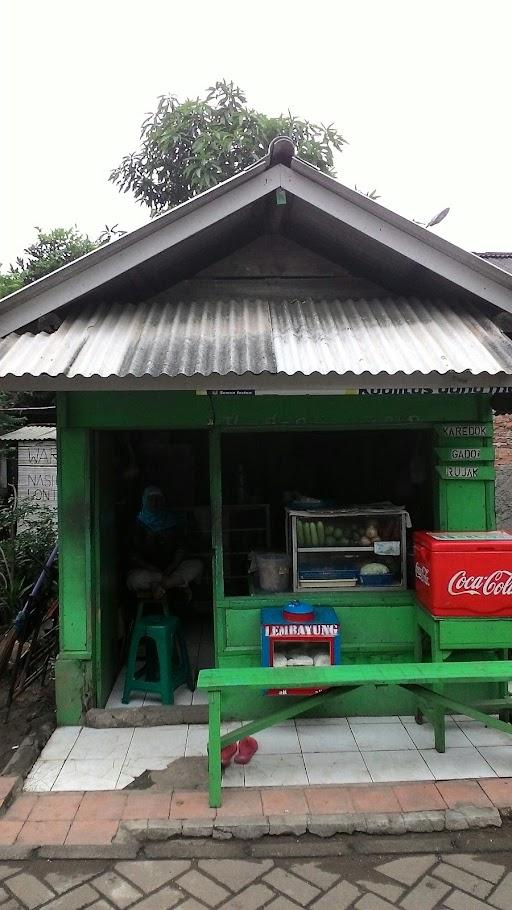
<point>414,882</point>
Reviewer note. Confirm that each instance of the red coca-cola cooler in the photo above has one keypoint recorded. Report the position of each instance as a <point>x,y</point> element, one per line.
<point>464,573</point>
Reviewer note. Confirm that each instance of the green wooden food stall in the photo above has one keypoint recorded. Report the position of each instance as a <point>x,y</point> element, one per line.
<point>280,335</point>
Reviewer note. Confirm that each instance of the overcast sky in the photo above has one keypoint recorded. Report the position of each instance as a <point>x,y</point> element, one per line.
<point>419,89</point>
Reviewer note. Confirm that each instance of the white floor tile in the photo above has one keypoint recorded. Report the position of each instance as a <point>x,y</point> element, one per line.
<point>102,744</point>
<point>197,740</point>
<point>410,719</point>
<point>43,775</point>
<point>60,743</point>
<point>329,721</point>
<point>278,740</point>
<point>374,720</point>
<point>499,758</point>
<point>336,768</point>
<point>234,775</point>
<point>479,735</point>
<point>124,780</point>
<point>134,768</point>
<point>387,736</point>
<point>457,764</point>
<point>136,701</point>
<point>423,735</point>
<point>396,765</point>
<point>89,774</point>
<point>115,697</point>
<point>158,741</point>
<point>275,771</point>
<point>151,698</point>
<point>183,695</point>
<point>327,738</point>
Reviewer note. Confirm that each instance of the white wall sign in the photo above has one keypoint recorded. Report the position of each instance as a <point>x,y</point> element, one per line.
<point>37,473</point>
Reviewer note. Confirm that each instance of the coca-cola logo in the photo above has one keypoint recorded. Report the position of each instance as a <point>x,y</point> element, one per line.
<point>422,573</point>
<point>498,582</point>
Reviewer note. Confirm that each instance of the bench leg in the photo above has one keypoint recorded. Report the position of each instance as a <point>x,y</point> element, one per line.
<point>418,657</point>
<point>214,766</point>
<point>438,719</point>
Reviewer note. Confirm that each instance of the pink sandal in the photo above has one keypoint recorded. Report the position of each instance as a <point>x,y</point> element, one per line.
<point>227,754</point>
<point>246,749</point>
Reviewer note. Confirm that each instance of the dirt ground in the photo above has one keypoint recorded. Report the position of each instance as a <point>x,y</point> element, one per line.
<point>32,705</point>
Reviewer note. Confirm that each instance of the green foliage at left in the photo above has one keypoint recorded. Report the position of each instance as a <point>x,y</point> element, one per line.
<point>28,534</point>
<point>51,250</point>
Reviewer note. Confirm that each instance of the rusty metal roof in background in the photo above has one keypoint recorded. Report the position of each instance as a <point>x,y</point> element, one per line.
<point>221,337</point>
<point>500,260</point>
<point>31,433</point>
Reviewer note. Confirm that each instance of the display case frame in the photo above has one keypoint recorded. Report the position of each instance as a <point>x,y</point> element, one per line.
<point>293,515</point>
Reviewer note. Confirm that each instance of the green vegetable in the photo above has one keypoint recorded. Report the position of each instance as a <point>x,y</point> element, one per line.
<point>314,534</point>
<point>307,534</point>
<point>330,541</point>
<point>300,533</point>
<point>374,568</point>
<point>338,533</point>
<point>329,531</point>
<point>321,533</point>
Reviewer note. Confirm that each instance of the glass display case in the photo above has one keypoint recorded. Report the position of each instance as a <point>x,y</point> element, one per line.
<point>338,549</point>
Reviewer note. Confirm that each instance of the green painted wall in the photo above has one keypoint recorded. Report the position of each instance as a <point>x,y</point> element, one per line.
<point>375,627</point>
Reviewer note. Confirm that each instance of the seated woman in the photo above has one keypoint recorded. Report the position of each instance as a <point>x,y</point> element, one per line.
<point>159,549</point>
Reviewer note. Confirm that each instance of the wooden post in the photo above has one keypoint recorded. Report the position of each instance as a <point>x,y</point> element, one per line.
<point>73,669</point>
<point>217,542</point>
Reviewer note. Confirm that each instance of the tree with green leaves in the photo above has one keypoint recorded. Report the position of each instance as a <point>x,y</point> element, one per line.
<point>9,283</point>
<point>187,147</point>
<point>51,250</point>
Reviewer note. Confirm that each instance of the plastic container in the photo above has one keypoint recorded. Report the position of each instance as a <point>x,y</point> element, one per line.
<point>273,572</point>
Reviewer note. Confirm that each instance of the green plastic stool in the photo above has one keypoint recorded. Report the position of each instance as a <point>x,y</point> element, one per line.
<point>165,633</point>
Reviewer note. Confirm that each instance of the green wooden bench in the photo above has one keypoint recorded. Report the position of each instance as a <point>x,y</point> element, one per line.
<point>424,680</point>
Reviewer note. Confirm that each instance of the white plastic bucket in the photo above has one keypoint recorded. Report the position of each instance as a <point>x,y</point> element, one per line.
<point>273,571</point>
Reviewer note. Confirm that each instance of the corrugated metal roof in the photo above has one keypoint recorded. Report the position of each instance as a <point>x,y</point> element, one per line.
<point>184,239</point>
<point>31,434</point>
<point>240,336</point>
<point>501,260</point>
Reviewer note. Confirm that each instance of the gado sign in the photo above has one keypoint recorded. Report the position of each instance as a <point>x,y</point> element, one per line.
<point>37,472</point>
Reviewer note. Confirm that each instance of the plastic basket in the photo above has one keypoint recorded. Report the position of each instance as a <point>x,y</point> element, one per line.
<point>377,581</point>
<point>327,573</point>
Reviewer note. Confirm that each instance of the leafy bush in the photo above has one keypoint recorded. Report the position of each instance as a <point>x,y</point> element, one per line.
<point>28,533</point>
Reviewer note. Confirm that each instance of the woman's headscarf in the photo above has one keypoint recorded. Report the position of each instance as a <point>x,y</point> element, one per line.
<point>162,519</point>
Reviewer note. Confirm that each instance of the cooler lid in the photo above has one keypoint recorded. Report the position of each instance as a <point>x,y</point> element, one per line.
<point>298,610</point>
<point>469,535</point>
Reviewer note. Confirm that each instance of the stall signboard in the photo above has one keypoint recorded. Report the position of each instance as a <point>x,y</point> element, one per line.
<point>466,453</point>
<point>466,472</point>
<point>465,431</point>
<point>299,640</point>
